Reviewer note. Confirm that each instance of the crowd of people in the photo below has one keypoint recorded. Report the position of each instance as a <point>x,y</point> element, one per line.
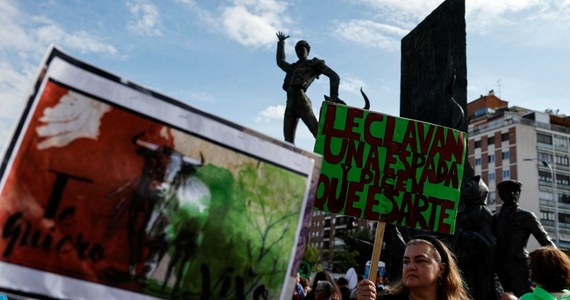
<point>324,287</point>
<point>430,272</point>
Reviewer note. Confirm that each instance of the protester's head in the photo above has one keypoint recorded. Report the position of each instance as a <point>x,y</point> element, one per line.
<point>550,269</point>
<point>342,282</point>
<point>508,296</point>
<point>379,279</point>
<point>324,276</point>
<point>306,284</point>
<point>323,290</point>
<point>509,191</point>
<point>430,265</point>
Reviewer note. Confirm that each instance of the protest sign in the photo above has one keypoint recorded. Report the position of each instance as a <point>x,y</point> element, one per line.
<point>395,170</point>
<point>112,191</point>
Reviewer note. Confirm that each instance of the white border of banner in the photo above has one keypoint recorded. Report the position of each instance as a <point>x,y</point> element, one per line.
<point>141,100</point>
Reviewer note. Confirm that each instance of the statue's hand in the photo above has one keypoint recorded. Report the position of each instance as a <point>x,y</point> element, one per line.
<point>281,36</point>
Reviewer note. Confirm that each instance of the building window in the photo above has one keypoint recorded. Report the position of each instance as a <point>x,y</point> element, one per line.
<point>545,157</point>
<point>478,144</point>
<point>491,176</point>
<point>491,140</point>
<point>483,111</point>
<point>504,137</point>
<point>562,179</point>
<point>477,161</point>
<point>564,218</point>
<point>544,139</point>
<point>492,158</point>
<point>506,174</point>
<point>544,195</point>
<point>544,176</point>
<point>546,215</point>
<point>564,198</point>
<point>506,155</point>
<point>562,160</point>
<point>560,141</point>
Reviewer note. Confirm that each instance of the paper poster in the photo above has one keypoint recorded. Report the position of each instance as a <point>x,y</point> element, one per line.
<point>112,191</point>
<point>400,171</point>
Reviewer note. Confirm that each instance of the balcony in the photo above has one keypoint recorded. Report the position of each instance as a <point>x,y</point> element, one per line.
<point>509,119</point>
<point>561,225</point>
<point>546,203</point>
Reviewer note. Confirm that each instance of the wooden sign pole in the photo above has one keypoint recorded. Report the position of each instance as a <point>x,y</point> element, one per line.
<point>378,239</point>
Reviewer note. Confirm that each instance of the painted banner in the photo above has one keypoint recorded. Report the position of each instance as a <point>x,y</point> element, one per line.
<point>113,191</point>
<point>396,170</point>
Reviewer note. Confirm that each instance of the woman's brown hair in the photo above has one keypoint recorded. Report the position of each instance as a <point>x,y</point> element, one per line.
<point>550,268</point>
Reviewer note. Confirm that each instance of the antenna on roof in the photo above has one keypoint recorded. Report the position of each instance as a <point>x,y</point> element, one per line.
<point>499,85</point>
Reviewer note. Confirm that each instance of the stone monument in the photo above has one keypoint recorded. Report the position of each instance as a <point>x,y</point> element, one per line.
<point>433,68</point>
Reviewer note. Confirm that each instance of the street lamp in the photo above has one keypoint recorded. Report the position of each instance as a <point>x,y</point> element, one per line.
<point>555,194</point>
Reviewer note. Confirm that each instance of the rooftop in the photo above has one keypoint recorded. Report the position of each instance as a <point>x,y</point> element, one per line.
<point>489,113</point>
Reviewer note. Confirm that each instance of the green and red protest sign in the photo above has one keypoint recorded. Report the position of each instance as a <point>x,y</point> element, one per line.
<point>396,170</point>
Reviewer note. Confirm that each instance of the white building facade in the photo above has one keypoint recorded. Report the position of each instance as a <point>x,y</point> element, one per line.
<point>529,146</point>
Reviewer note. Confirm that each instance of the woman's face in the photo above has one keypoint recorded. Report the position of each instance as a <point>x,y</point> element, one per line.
<point>420,269</point>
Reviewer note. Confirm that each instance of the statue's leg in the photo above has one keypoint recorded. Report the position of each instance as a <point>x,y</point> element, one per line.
<point>305,110</point>
<point>290,121</point>
<point>519,277</point>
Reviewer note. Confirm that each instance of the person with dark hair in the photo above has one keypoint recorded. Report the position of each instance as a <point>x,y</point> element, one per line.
<point>299,291</point>
<point>512,226</point>
<point>323,276</point>
<point>306,284</point>
<point>429,272</point>
<point>298,78</point>
<point>342,285</point>
<point>550,270</point>
<point>324,290</point>
<point>379,282</point>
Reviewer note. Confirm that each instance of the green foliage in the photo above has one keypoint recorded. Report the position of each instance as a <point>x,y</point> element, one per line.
<point>361,243</point>
<point>345,259</point>
<point>312,256</point>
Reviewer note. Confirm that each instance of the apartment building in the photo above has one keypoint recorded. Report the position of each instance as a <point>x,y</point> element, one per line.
<point>529,146</point>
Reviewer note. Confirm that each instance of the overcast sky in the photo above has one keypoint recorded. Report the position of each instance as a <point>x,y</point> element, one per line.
<point>219,56</point>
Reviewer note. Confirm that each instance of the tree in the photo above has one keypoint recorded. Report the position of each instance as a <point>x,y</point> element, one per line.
<point>345,258</point>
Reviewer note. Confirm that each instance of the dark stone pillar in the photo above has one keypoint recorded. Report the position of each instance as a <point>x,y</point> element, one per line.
<point>431,54</point>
